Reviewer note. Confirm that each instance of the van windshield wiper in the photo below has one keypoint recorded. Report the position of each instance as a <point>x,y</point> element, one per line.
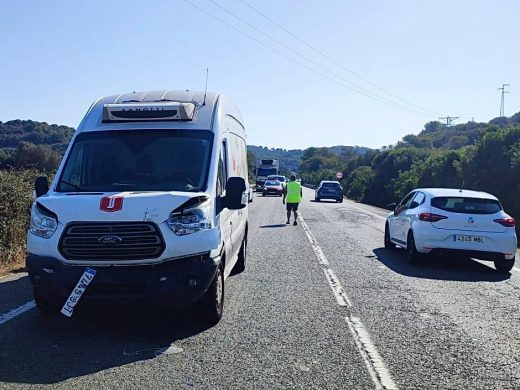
<point>191,188</point>
<point>75,186</point>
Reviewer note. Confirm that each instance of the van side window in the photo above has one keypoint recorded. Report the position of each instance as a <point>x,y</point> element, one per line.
<point>221,178</point>
<point>222,175</point>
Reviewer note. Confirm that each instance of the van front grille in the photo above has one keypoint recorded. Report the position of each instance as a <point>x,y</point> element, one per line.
<point>111,241</point>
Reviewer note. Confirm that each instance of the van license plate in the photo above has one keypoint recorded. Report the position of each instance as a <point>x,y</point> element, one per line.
<point>77,292</point>
<point>474,239</point>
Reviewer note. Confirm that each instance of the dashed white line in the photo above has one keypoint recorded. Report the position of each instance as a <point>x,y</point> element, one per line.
<point>368,351</point>
<point>373,360</point>
<point>319,253</point>
<point>337,289</point>
<point>16,312</point>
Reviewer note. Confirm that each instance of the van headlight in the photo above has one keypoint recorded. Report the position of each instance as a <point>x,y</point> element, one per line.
<point>190,221</point>
<point>42,224</point>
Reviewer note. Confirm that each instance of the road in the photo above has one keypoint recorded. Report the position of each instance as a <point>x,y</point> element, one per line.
<point>321,305</point>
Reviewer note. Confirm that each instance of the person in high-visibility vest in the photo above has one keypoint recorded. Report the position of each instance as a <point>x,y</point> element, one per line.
<point>292,194</point>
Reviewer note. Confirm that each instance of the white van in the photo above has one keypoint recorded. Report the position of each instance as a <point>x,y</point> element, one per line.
<point>151,197</point>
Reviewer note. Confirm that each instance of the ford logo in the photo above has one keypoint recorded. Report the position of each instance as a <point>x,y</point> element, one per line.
<point>110,240</point>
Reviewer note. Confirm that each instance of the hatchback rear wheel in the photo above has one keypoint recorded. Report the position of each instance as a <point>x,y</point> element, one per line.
<point>411,249</point>
<point>504,265</point>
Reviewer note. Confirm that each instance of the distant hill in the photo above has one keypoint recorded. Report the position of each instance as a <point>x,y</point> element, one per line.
<point>291,159</point>
<point>437,136</point>
<point>38,133</point>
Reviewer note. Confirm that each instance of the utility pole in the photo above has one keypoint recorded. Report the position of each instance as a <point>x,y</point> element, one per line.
<point>503,89</point>
<point>449,120</point>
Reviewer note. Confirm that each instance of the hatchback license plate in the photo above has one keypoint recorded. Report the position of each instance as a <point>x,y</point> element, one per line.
<point>464,238</point>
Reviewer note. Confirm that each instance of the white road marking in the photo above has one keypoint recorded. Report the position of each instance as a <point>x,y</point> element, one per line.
<point>373,360</point>
<point>337,289</point>
<point>368,351</point>
<point>16,312</point>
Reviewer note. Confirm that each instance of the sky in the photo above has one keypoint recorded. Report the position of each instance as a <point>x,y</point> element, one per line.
<point>324,73</point>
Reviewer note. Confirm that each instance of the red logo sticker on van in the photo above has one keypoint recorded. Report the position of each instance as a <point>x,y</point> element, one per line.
<point>111,203</point>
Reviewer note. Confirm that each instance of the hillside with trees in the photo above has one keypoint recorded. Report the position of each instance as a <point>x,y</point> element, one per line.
<point>479,156</point>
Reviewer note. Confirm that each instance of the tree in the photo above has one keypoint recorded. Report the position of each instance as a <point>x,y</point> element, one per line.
<point>40,157</point>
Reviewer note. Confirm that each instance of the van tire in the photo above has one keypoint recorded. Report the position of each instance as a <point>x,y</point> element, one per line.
<point>211,305</point>
<point>240,265</point>
<point>44,305</point>
<point>504,265</point>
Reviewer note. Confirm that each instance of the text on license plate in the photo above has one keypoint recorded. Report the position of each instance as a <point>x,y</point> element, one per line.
<point>464,238</point>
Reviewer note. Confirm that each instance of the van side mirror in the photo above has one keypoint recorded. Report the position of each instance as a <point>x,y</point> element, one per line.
<point>236,198</point>
<point>391,206</point>
<point>41,185</point>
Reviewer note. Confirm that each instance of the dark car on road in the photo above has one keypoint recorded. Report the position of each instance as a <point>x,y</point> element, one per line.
<point>272,187</point>
<point>329,190</point>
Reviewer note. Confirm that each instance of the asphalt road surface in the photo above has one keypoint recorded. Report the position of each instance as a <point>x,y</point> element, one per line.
<point>321,305</point>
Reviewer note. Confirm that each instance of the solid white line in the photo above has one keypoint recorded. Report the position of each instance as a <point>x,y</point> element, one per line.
<point>16,312</point>
<point>373,360</point>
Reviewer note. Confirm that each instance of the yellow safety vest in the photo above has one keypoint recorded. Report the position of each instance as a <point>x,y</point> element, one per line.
<point>294,192</point>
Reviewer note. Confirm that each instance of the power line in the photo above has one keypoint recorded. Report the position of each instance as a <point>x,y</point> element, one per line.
<point>316,64</point>
<point>368,95</point>
<point>503,89</point>
<point>324,55</point>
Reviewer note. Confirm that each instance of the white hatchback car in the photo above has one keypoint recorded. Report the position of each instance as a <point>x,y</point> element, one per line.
<point>452,221</point>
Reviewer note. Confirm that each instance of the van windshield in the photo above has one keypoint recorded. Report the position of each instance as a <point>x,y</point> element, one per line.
<point>143,160</point>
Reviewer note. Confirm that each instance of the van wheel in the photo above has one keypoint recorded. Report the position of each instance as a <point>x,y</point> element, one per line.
<point>44,305</point>
<point>240,265</point>
<point>211,305</point>
<point>316,199</point>
<point>504,265</point>
<point>341,200</point>
<point>411,250</point>
<point>388,243</point>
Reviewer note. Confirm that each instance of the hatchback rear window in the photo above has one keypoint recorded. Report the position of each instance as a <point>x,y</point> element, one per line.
<point>330,185</point>
<point>467,205</point>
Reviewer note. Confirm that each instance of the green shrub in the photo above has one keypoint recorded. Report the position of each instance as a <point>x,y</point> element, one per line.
<point>16,197</point>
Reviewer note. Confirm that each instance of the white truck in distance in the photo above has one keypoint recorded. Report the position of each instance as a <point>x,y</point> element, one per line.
<point>263,169</point>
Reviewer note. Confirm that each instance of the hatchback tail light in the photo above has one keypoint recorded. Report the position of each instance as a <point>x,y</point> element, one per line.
<point>430,217</point>
<point>507,222</point>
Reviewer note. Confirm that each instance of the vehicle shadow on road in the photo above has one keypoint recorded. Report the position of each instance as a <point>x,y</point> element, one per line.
<point>279,225</point>
<point>324,201</point>
<point>14,292</point>
<point>48,349</point>
<point>440,267</point>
